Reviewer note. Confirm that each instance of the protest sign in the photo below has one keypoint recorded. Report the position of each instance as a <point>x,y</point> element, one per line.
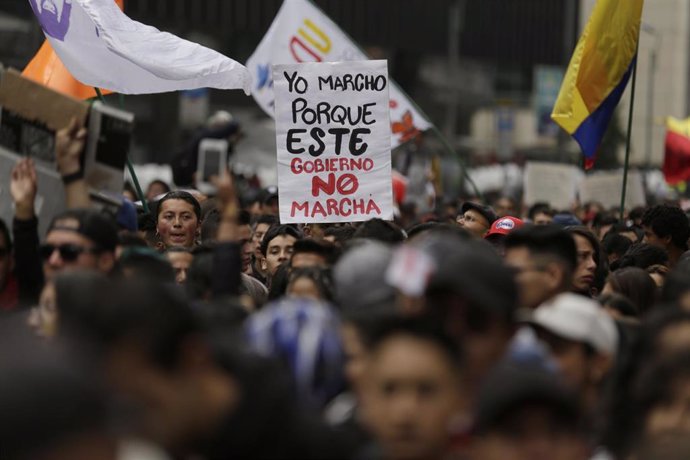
<point>301,32</point>
<point>605,187</point>
<point>333,136</point>
<point>552,183</point>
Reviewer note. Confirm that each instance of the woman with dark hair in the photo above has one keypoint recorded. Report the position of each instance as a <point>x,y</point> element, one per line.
<point>635,284</point>
<point>590,271</point>
<point>178,220</point>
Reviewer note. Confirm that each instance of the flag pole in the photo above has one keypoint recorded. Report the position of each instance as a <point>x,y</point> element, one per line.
<point>628,136</point>
<point>130,166</point>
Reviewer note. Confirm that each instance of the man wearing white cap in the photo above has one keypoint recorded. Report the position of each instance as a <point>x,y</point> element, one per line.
<point>582,339</point>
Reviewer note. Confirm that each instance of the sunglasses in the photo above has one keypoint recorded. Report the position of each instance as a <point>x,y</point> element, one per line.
<point>68,252</point>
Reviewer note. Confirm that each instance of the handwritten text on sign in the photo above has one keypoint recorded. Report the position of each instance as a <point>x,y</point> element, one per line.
<point>333,135</point>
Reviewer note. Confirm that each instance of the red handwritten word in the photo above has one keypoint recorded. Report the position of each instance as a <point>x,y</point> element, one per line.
<point>345,207</point>
<point>299,166</point>
<point>347,184</point>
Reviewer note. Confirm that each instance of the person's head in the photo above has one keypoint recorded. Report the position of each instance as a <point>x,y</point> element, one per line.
<point>642,255</point>
<point>154,355</point>
<point>68,292</point>
<point>156,188</point>
<point>53,405</point>
<point>540,214</point>
<point>6,255</point>
<point>676,288</point>
<point>662,335</point>
<point>618,306</point>
<point>359,275</point>
<point>181,259</point>
<point>412,389</point>
<point>304,335</point>
<point>474,294</point>
<point>660,422</point>
<point>582,338</point>
<point>658,273</point>
<point>666,227</point>
<point>259,229</point>
<point>505,206</point>
<point>198,285</point>
<point>602,223</point>
<point>588,259</point>
<point>277,246</point>
<point>79,239</point>
<point>43,317</point>
<point>526,413</point>
<point>339,235</point>
<point>178,221</point>
<point>630,231</point>
<point>310,283</point>
<point>126,240</point>
<point>269,201</point>
<point>380,230</point>
<point>544,258</point>
<point>498,231</point>
<point>476,218</point>
<point>145,263</point>
<point>635,284</point>
<point>312,253</point>
<point>614,245</point>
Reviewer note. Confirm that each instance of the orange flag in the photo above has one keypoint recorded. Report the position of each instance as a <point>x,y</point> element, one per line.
<point>47,69</point>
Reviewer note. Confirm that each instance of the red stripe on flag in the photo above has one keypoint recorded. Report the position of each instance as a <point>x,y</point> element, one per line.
<point>677,158</point>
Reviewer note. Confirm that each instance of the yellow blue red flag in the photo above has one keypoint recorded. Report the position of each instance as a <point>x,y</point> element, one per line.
<point>598,73</point>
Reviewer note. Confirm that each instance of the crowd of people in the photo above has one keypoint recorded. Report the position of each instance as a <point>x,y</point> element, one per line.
<point>203,328</point>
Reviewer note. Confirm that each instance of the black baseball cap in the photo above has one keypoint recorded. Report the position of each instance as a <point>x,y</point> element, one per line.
<point>485,211</point>
<point>97,226</point>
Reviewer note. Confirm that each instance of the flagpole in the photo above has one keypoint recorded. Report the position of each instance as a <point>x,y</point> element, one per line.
<point>628,137</point>
<point>434,129</point>
<point>130,166</point>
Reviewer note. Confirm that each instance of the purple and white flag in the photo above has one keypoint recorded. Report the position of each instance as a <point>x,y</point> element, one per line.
<point>104,48</point>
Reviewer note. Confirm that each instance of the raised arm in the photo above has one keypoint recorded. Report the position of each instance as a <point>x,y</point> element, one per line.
<point>69,150</point>
<point>23,188</point>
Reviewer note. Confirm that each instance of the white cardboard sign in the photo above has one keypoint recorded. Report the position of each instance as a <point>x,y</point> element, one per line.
<point>553,183</point>
<point>334,145</point>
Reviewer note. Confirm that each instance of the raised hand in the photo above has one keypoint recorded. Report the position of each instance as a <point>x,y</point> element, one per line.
<point>23,188</point>
<point>69,147</point>
<point>229,207</point>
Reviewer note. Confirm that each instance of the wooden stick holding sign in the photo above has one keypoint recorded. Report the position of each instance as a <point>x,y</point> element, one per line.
<point>333,136</point>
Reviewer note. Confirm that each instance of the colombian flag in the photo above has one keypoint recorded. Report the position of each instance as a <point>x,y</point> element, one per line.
<point>598,72</point>
<point>677,151</point>
<point>47,69</point>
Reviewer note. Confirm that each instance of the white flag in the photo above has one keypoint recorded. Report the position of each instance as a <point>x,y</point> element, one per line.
<point>301,32</point>
<point>104,48</point>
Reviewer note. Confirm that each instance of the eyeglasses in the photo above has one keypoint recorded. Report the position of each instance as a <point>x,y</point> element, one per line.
<point>68,252</point>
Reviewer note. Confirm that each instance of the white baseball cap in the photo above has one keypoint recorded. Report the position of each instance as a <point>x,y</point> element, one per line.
<point>577,318</point>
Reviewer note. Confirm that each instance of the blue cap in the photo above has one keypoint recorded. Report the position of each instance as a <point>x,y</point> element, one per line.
<point>127,216</point>
<point>566,219</point>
